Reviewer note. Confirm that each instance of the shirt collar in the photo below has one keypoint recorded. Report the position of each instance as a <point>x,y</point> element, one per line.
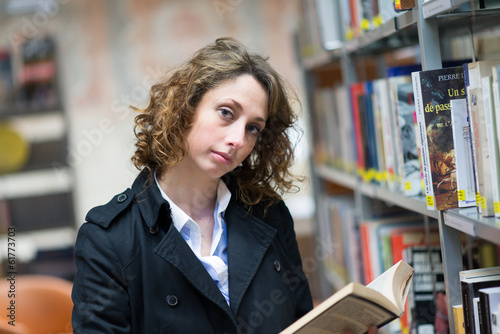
<point>180,218</point>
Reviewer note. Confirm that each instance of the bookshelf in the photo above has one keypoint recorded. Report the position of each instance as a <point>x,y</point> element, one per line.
<point>36,195</point>
<point>425,28</point>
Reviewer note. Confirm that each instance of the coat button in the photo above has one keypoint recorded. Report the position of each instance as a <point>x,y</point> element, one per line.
<point>172,300</point>
<point>122,198</point>
<point>153,229</point>
<point>277,265</point>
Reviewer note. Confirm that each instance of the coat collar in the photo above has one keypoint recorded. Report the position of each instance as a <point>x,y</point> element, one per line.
<point>248,239</point>
<point>149,199</point>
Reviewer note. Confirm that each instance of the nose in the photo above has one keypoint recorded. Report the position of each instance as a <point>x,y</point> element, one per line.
<point>236,136</point>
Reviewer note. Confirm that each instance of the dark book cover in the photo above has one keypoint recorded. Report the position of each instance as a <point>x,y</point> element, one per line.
<point>426,300</point>
<point>470,289</point>
<point>438,88</point>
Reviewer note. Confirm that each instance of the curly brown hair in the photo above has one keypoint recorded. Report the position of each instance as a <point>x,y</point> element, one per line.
<point>160,128</point>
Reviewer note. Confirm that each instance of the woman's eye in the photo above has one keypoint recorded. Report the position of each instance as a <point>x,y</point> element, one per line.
<point>226,113</point>
<point>254,129</point>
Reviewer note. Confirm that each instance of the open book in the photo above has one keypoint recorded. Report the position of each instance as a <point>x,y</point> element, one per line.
<point>356,307</point>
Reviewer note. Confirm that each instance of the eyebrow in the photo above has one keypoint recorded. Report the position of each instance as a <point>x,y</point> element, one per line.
<point>238,106</point>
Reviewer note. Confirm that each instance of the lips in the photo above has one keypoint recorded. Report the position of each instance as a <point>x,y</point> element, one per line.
<point>223,157</point>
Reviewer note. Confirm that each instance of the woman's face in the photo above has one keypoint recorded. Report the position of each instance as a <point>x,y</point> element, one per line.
<point>226,125</point>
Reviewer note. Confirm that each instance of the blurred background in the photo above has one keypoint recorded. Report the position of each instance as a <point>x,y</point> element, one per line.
<point>70,69</point>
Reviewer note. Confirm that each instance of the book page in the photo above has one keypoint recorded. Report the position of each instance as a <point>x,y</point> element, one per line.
<point>353,314</point>
<point>393,283</point>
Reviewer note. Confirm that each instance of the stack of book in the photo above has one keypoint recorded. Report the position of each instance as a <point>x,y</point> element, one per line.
<point>432,133</point>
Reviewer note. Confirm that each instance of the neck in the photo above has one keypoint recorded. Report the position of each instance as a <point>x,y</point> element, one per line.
<point>194,195</point>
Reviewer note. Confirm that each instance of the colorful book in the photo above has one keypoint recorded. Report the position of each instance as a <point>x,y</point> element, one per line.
<point>435,89</point>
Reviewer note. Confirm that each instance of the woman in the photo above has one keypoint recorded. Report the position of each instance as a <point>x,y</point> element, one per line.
<point>202,242</point>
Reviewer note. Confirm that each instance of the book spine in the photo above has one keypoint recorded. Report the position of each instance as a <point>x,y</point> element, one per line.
<point>492,140</point>
<point>426,168</point>
<point>495,86</point>
<point>463,154</point>
<point>467,306</point>
<point>484,304</point>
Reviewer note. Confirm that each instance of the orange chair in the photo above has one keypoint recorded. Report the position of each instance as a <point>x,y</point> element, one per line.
<point>43,305</point>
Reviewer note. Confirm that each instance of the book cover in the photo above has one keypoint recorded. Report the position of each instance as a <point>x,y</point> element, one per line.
<point>466,184</point>
<point>379,102</point>
<point>436,88</point>
<point>475,71</point>
<point>489,299</point>
<point>357,91</point>
<point>471,281</point>
<point>346,129</point>
<point>495,89</point>
<point>356,307</point>
<point>385,141</point>
<point>6,79</point>
<point>458,318</point>
<point>330,29</point>
<point>491,136</point>
<point>409,163</point>
<point>482,158</point>
<point>368,114</point>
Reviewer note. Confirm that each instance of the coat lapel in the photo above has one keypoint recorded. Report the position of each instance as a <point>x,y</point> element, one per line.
<point>176,251</point>
<point>248,239</point>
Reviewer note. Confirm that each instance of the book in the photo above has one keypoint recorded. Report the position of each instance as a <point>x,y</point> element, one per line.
<point>471,281</point>
<point>346,130</point>
<point>491,134</point>
<point>328,16</point>
<point>372,233</point>
<point>435,89</point>
<point>427,310</point>
<point>466,184</point>
<point>489,299</point>
<point>458,318</point>
<point>356,307</point>
<point>409,163</point>
<point>381,103</point>
<point>475,72</point>
<point>495,87</point>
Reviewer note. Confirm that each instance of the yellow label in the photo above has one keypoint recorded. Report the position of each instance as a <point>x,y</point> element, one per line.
<point>377,21</point>
<point>478,199</point>
<point>407,185</point>
<point>497,207</point>
<point>365,24</point>
<point>349,35</point>
<point>361,173</point>
<point>461,195</point>
<point>380,176</point>
<point>430,201</point>
<point>483,202</point>
<point>370,175</point>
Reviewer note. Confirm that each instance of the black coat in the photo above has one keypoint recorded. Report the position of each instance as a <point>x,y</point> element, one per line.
<point>136,274</point>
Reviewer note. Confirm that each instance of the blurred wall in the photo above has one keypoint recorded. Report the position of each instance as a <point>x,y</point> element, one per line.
<point>111,51</point>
